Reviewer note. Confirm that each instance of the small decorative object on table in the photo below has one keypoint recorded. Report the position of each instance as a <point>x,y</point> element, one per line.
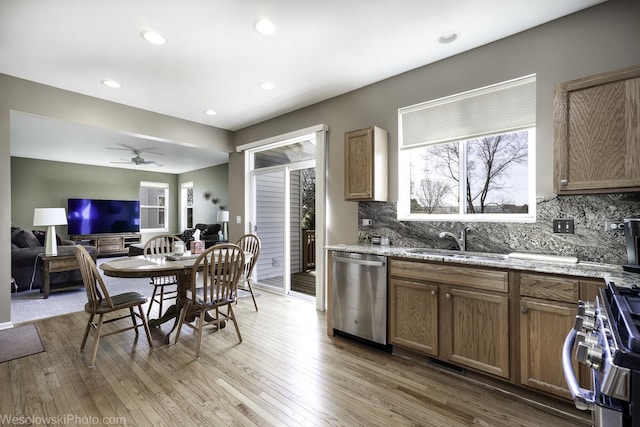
<point>197,247</point>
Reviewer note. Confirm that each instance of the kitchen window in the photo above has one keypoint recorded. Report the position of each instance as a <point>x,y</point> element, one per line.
<point>154,206</point>
<point>469,157</point>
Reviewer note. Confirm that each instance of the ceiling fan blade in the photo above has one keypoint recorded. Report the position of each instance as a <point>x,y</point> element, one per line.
<point>136,151</point>
<point>122,147</point>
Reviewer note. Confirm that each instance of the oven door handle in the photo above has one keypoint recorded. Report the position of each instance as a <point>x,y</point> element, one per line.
<point>582,398</point>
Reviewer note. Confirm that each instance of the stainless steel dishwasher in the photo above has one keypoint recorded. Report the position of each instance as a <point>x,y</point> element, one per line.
<point>359,295</point>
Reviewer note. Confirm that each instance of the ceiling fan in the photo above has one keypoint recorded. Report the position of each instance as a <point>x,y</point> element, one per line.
<point>137,159</point>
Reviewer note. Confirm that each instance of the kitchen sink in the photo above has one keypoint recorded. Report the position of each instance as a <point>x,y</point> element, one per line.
<point>476,256</point>
<point>458,255</point>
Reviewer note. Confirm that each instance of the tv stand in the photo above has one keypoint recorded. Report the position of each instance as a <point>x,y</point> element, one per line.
<point>109,244</point>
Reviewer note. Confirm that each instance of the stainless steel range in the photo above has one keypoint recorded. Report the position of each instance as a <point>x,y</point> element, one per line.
<point>606,337</point>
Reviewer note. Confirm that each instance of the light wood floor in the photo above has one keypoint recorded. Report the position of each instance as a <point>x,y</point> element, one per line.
<point>286,372</point>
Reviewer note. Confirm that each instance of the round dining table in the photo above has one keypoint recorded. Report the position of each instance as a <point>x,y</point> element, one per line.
<point>148,266</point>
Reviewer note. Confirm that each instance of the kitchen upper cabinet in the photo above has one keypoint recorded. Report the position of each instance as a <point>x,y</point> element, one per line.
<point>548,306</point>
<point>597,133</point>
<point>366,165</point>
<point>454,313</point>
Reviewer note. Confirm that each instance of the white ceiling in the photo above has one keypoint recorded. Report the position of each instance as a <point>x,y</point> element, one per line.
<point>214,59</point>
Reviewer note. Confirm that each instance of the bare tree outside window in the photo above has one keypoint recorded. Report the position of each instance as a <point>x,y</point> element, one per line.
<point>495,181</point>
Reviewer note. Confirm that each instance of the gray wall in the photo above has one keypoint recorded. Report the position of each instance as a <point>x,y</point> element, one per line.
<point>21,95</point>
<point>601,38</point>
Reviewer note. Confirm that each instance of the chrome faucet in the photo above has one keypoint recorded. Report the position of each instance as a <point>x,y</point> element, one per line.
<point>461,241</point>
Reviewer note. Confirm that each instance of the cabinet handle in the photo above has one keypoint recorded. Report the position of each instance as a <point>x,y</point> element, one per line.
<point>564,182</point>
<point>433,293</point>
<point>448,296</point>
<point>524,309</point>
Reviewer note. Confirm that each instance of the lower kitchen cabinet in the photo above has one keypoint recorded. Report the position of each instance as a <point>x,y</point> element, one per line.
<point>479,330</point>
<point>543,328</point>
<point>445,312</point>
<point>413,320</point>
<point>548,306</point>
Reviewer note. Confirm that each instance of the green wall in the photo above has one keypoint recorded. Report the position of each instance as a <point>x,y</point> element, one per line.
<point>213,180</point>
<point>41,183</point>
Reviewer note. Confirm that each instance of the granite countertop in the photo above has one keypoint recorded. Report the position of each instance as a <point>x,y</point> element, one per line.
<point>504,261</point>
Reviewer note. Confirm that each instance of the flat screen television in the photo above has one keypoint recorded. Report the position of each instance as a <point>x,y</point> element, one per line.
<point>92,216</point>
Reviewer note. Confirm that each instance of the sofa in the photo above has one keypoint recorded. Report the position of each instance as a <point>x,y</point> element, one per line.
<point>208,234</point>
<point>27,248</point>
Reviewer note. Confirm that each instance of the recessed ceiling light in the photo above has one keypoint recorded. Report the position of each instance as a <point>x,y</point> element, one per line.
<point>111,83</point>
<point>210,112</point>
<point>267,85</point>
<point>153,37</point>
<point>447,37</point>
<point>264,26</point>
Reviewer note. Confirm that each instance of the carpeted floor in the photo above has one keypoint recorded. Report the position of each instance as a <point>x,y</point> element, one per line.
<point>19,342</point>
<point>30,305</point>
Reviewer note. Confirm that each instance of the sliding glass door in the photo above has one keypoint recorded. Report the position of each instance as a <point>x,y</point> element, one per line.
<point>270,203</point>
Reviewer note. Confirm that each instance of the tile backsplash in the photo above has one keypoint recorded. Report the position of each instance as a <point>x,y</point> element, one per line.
<point>590,241</point>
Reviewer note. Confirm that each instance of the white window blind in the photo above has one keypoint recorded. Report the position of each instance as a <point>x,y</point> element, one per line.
<point>494,109</point>
<point>154,205</point>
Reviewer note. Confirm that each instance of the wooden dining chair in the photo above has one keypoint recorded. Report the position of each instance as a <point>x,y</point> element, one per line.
<point>100,303</point>
<point>249,243</point>
<point>164,287</point>
<point>214,279</point>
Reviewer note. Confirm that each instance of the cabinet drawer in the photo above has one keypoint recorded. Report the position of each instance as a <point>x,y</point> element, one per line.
<point>109,248</point>
<point>105,241</point>
<point>550,287</point>
<point>493,280</point>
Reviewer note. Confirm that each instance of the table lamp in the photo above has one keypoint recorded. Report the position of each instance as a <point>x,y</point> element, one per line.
<point>50,217</point>
<point>223,217</point>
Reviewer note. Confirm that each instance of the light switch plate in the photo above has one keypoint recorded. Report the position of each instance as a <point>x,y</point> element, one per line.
<point>238,219</point>
<point>563,225</point>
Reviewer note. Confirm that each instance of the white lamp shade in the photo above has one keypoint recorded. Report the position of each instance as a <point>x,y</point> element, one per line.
<point>223,216</point>
<point>49,216</point>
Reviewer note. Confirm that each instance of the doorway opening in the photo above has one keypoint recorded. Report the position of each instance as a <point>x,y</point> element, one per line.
<point>279,199</point>
<point>285,206</point>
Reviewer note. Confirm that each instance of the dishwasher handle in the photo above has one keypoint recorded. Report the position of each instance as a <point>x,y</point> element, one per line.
<point>366,262</point>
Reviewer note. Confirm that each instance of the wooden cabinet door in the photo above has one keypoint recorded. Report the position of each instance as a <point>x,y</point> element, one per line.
<point>543,328</point>
<point>597,133</point>
<point>413,316</point>
<point>358,161</point>
<point>365,164</point>
<point>476,327</point>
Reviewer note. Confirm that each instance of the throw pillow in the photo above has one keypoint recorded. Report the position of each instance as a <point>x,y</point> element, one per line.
<point>212,229</point>
<point>25,239</point>
<point>42,236</point>
<point>188,233</point>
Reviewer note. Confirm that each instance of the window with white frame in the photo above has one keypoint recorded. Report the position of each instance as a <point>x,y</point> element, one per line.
<point>154,206</point>
<point>470,156</point>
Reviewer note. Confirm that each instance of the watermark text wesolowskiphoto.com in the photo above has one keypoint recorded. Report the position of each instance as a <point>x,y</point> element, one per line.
<point>66,419</point>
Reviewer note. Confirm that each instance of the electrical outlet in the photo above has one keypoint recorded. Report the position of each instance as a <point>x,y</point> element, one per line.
<point>563,225</point>
<point>611,225</point>
<point>366,222</point>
